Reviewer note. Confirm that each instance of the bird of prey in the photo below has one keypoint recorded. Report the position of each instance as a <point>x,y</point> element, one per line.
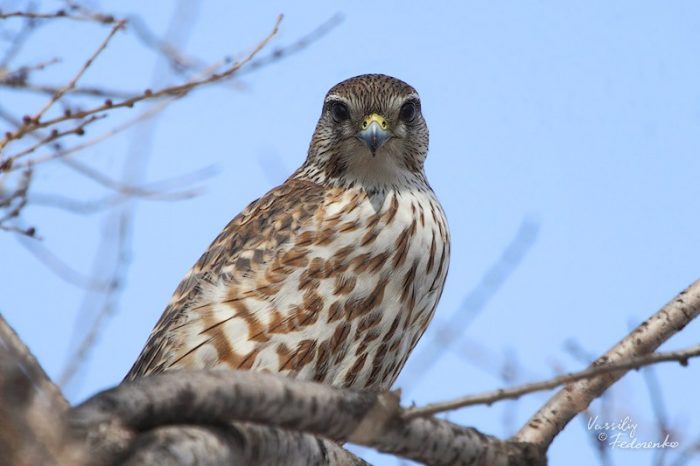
<point>332,276</point>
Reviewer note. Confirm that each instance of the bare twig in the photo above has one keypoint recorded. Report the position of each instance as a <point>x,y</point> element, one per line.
<point>63,152</point>
<point>176,91</point>
<point>57,14</point>
<point>13,203</point>
<point>97,92</point>
<point>19,76</point>
<point>296,46</point>
<point>177,60</point>
<point>71,84</point>
<point>168,95</point>
<point>681,356</point>
<point>55,134</point>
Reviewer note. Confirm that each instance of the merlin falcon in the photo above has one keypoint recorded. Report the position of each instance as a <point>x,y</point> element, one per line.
<point>332,276</point>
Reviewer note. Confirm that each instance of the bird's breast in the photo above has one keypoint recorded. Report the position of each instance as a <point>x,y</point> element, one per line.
<point>378,266</point>
<point>343,302</point>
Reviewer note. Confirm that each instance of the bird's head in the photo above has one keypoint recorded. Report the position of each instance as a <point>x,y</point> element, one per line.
<point>371,132</point>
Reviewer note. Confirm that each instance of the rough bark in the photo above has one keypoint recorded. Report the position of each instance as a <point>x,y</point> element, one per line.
<point>31,409</point>
<point>236,444</point>
<point>221,397</point>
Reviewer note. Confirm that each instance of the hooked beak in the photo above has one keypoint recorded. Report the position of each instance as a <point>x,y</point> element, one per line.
<point>375,132</point>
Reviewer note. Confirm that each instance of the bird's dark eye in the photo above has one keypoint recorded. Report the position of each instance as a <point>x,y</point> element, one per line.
<point>339,111</point>
<point>408,111</point>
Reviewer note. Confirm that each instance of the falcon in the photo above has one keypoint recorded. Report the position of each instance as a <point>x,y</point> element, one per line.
<point>332,276</point>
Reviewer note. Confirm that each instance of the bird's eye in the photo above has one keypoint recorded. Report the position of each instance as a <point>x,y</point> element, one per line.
<point>408,111</point>
<point>339,111</point>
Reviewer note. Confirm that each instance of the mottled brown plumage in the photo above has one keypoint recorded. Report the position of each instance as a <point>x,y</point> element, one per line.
<point>332,276</point>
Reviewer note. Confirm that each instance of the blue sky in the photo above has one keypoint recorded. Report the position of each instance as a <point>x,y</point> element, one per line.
<point>580,118</point>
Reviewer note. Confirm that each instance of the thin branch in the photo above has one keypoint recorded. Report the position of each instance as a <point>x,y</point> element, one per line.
<point>177,91</point>
<point>29,231</point>
<point>78,91</point>
<point>13,204</point>
<point>298,45</point>
<point>575,397</point>
<point>19,194</point>
<point>107,19</point>
<point>71,84</point>
<point>177,60</point>
<point>19,76</point>
<point>55,134</point>
<point>168,94</point>
<point>681,356</point>
<point>63,152</point>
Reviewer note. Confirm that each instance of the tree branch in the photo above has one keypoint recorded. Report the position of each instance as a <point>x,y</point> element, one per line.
<point>237,443</point>
<point>106,19</point>
<point>71,84</point>
<point>681,356</point>
<point>221,397</point>
<point>575,397</point>
<point>31,408</point>
<point>34,123</point>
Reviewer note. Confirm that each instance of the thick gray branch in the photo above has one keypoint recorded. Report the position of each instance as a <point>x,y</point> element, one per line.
<point>235,444</point>
<point>31,408</point>
<point>221,397</point>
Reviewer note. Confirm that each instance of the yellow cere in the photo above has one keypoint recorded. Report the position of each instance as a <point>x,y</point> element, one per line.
<point>375,117</point>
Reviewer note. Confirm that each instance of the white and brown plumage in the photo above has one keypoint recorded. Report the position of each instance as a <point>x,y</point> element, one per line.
<point>332,276</point>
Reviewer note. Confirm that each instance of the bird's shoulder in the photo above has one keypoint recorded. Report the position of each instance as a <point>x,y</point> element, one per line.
<point>266,223</point>
<point>239,253</point>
